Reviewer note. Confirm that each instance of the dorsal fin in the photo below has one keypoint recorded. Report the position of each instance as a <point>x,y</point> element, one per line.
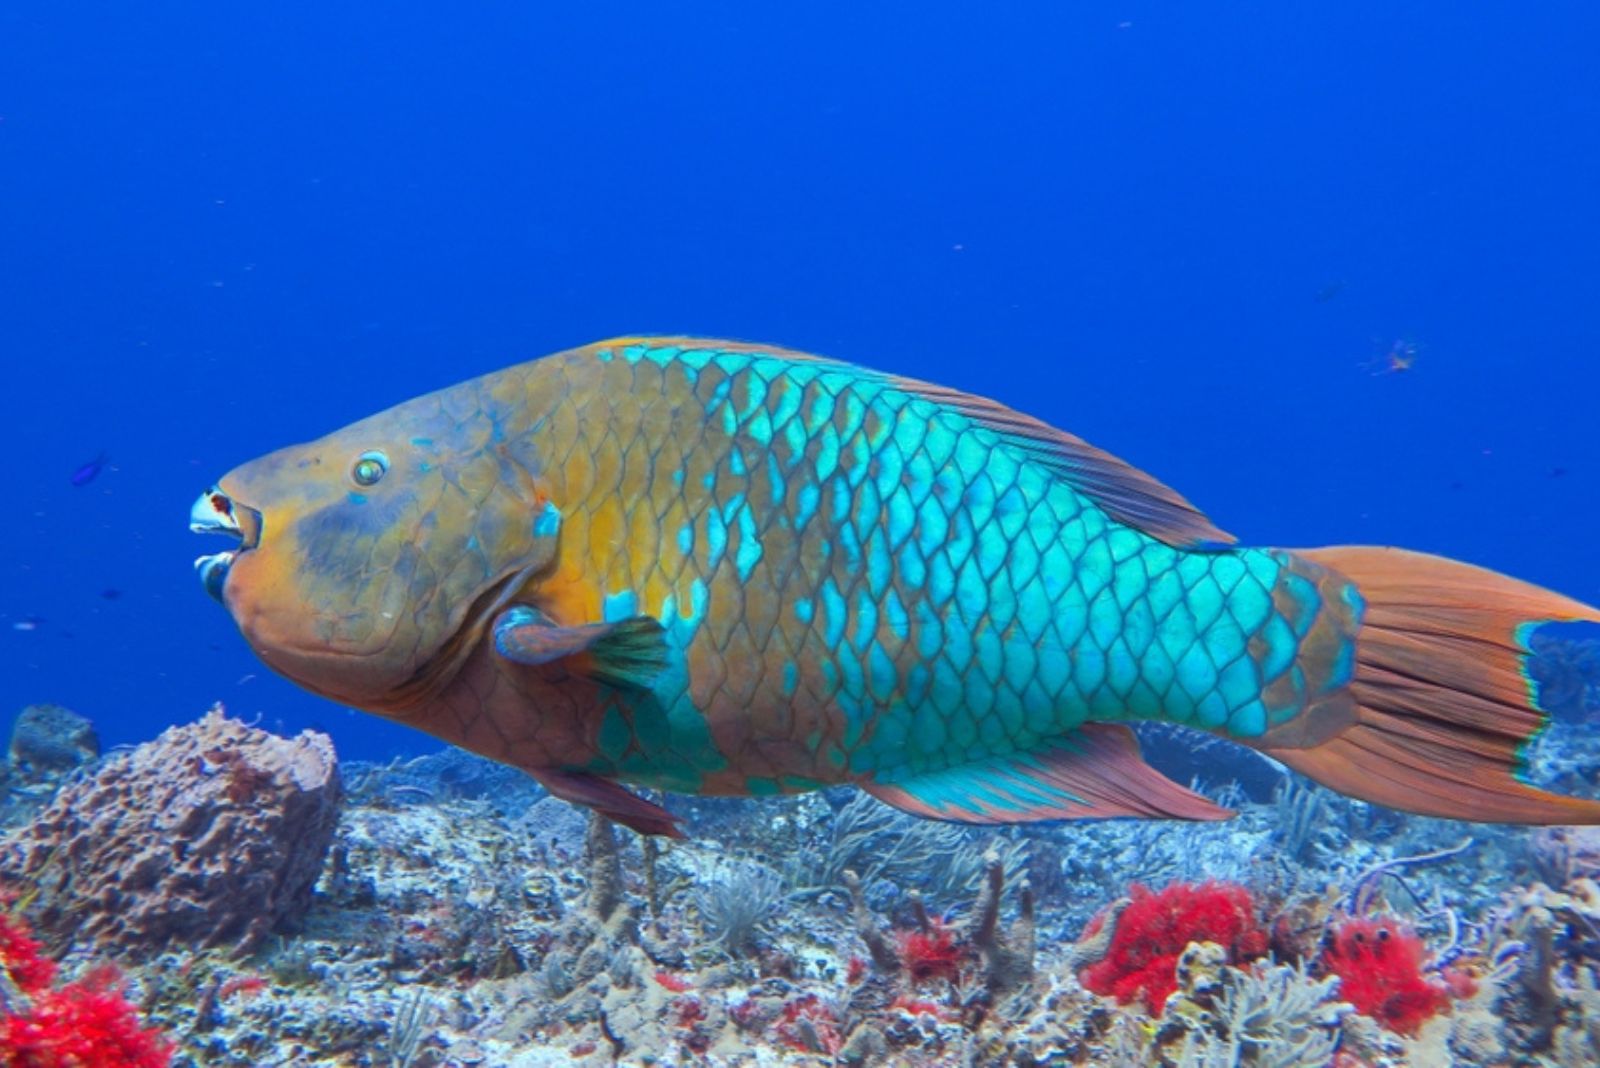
<point>1126,493</point>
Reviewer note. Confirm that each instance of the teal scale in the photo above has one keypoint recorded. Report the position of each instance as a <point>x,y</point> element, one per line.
<point>1022,606</point>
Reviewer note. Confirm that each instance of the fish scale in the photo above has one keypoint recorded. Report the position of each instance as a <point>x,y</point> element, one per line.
<point>723,568</point>
<point>929,518</point>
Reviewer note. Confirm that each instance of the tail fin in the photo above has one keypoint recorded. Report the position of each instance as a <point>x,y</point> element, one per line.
<point>1444,703</point>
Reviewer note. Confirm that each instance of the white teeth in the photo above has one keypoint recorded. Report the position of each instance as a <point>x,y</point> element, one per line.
<point>212,514</point>
<point>213,571</point>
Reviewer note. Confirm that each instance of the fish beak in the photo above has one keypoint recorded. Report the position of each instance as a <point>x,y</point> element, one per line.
<point>216,513</point>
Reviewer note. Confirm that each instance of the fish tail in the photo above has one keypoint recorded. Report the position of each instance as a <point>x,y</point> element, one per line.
<point>1438,708</point>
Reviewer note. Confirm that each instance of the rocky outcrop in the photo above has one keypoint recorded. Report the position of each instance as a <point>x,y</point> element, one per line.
<point>49,740</point>
<point>208,836</point>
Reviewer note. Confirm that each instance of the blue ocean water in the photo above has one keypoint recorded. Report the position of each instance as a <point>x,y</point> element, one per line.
<point>1194,237</point>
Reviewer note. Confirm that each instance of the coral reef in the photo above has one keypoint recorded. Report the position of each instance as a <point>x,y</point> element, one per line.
<point>462,917</point>
<point>885,846</point>
<point>1271,1014</point>
<point>1567,670</point>
<point>1564,854</point>
<point>1548,945</point>
<point>208,836</point>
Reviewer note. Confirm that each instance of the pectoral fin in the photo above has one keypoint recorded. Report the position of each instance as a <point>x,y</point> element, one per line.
<point>1095,772</point>
<point>628,653</point>
<point>610,800</point>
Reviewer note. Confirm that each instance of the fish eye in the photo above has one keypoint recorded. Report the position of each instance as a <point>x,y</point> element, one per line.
<point>369,468</point>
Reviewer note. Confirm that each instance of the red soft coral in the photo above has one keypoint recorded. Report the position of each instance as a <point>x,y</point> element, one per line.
<point>21,959</point>
<point>83,1024</point>
<point>1379,966</point>
<point>931,953</point>
<point>1155,928</point>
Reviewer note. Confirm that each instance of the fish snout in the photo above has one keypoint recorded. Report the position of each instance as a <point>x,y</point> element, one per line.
<point>217,513</point>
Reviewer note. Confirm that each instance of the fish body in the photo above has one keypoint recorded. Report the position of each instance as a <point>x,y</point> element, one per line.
<point>88,472</point>
<point>720,568</point>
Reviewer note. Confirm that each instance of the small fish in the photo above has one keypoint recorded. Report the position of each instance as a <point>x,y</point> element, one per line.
<point>720,568</point>
<point>111,593</point>
<point>1329,291</point>
<point>87,473</point>
<point>1400,357</point>
<point>28,623</point>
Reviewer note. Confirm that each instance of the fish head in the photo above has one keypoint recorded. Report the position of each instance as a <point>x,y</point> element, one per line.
<point>371,561</point>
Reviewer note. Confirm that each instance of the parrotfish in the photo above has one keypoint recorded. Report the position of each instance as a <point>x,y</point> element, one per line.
<point>720,568</point>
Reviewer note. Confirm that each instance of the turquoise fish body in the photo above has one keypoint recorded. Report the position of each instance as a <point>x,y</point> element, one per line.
<point>867,585</point>
<point>721,568</point>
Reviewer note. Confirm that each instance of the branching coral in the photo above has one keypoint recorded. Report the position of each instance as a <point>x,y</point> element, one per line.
<point>877,842</point>
<point>1547,941</point>
<point>933,949</point>
<point>884,957</point>
<point>605,869</point>
<point>1006,957</point>
<point>1281,1015</point>
<point>1266,1014</point>
<point>1303,823</point>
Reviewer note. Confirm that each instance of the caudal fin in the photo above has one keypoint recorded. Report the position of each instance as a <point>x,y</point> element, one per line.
<point>1444,703</point>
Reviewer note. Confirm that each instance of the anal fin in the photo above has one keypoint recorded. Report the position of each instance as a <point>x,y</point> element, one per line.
<point>1094,773</point>
<point>628,653</point>
<point>611,800</point>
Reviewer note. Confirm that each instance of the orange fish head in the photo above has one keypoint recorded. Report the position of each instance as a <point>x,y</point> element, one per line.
<point>370,562</point>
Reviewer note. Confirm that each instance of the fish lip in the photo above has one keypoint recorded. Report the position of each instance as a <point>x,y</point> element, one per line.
<point>217,513</point>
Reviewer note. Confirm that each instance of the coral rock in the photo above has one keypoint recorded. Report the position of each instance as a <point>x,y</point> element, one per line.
<point>49,739</point>
<point>1562,854</point>
<point>206,837</point>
